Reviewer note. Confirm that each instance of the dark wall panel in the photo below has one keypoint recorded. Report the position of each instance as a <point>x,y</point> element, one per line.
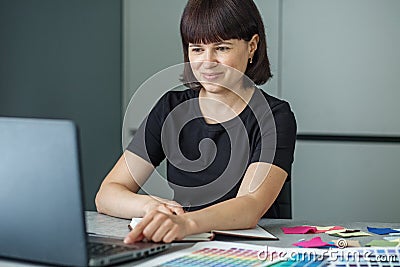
<point>62,59</point>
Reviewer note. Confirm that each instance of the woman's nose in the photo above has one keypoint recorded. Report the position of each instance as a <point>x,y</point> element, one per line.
<point>210,60</point>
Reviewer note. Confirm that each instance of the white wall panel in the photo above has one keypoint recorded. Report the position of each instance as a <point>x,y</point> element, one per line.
<point>346,182</point>
<point>341,65</point>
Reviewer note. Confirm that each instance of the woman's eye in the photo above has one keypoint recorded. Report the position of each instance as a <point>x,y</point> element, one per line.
<point>223,48</point>
<point>196,50</point>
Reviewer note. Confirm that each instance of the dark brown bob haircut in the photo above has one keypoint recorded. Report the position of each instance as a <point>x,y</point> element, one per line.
<point>211,21</point>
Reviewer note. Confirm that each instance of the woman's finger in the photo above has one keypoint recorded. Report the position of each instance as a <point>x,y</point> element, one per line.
<point>158,220</point>
<point>171,235</point>
<point>135,234</point>
<point>162,230</point>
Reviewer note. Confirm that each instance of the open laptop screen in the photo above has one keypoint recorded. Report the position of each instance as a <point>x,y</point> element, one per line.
<point>40,192</point>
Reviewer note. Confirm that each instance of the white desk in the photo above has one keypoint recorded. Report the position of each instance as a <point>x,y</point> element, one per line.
<point>102,224</point>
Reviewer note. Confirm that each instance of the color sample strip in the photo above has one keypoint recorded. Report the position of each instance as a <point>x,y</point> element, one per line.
<point>382,243</point>
<point>301,260</point>
<point>381,231</point>
<point>369,257</point>
<point>218,257</point>
<point>315,242</point>
<point>299,230</point>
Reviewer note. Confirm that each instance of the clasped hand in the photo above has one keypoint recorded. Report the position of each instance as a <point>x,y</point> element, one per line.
<point>163,222</point>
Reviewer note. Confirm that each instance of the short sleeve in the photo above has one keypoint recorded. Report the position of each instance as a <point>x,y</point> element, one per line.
<point>285,132</point>
<point>146,142</point>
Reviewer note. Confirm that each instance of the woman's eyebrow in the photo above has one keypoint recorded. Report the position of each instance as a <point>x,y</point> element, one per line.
<point>217,43</point>
<point>224,42</point>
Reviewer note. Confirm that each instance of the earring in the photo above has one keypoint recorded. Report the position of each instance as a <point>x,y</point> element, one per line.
<point>251,60</point>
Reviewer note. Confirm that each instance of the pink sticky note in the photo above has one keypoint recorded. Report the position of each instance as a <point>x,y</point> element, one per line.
<point>315,242</point>
<point>299,230</point>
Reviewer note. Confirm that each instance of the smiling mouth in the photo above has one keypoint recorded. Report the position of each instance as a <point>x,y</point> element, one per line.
<point>211,76</point>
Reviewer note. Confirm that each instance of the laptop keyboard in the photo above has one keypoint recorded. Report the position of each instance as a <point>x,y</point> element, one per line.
<point>101,249</point>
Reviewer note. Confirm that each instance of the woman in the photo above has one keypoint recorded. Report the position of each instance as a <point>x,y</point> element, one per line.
<point>229,146</point>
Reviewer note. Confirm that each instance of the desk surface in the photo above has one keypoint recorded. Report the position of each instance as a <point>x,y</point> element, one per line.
<point>102,224</point>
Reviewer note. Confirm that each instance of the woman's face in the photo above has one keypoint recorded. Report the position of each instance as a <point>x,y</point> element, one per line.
<point>221,65</point>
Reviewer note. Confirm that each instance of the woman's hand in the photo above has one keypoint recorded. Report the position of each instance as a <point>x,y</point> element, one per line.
<point>163,205</point>
<point>158,226</point>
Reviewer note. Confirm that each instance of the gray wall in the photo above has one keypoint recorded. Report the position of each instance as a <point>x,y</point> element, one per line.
<point>342,57</point>
<point>337,63</point>
<point>340,68</point>
<point>62,59</point>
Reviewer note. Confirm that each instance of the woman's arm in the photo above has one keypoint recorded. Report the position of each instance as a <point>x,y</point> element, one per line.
<point>117,194</point>
<point>259,189</point>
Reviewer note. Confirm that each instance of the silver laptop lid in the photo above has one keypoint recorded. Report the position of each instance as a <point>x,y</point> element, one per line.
<point>40,192</point>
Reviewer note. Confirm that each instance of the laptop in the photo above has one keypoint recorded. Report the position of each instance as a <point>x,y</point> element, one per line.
<point>41,203</point>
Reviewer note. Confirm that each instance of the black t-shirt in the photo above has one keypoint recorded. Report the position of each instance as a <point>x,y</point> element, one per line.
<point>206,162</point>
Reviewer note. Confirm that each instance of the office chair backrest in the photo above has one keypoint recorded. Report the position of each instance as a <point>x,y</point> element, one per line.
<point>282,207</point>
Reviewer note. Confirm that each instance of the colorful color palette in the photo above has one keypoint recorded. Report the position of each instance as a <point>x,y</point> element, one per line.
<point>219,254</point>
<point>218,257</point>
